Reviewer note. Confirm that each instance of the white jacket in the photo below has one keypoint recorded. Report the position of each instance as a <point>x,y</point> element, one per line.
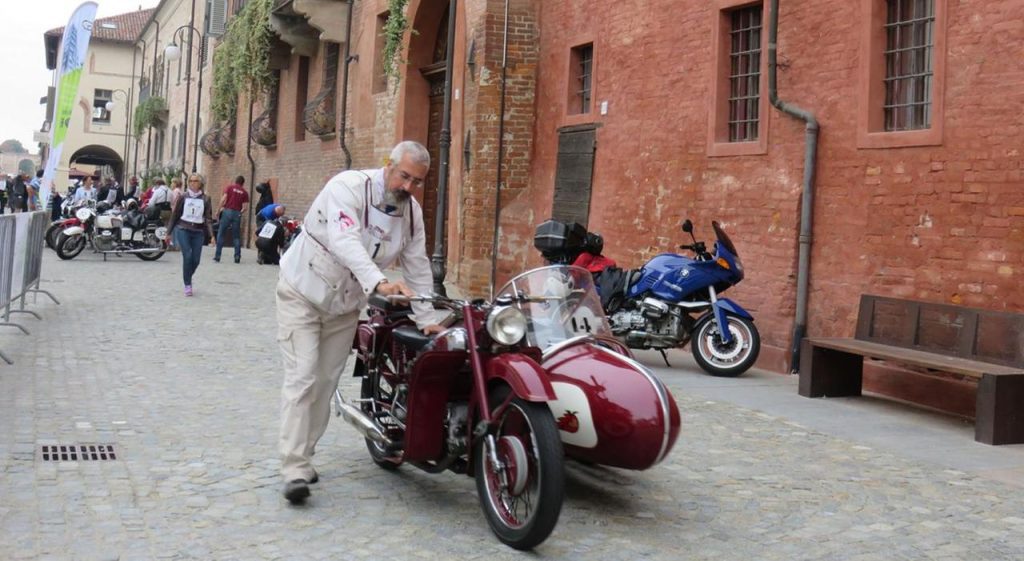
<point>330,265</point>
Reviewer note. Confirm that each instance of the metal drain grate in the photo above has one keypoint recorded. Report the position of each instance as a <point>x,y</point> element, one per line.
<point>78,452</point>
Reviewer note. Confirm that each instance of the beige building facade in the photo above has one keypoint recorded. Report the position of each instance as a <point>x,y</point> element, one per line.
<point>99,138</point>
<point>169,147</point>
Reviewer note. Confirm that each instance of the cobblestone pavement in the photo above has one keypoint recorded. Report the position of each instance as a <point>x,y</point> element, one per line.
<point>187,390</point>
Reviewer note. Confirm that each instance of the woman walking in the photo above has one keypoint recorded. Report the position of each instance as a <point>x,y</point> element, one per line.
<point>191,222</point>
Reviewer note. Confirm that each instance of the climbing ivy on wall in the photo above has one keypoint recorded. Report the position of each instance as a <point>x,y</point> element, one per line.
<point>394,34</point>
<point>147,114</point>
<point>241,62</point>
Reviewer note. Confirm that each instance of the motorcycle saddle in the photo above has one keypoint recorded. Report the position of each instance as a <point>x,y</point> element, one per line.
<point>135,221</point>
<point>411,337</point>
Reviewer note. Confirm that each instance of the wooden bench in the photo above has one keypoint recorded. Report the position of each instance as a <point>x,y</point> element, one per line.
<point>981,344</point>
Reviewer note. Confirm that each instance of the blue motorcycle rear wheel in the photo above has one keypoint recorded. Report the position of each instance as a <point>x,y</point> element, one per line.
<point>719,358</point>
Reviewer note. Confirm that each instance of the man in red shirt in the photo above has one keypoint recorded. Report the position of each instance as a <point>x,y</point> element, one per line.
<point>232,204</point>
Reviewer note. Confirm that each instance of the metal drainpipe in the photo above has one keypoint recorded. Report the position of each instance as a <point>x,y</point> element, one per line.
<point>344,86</point>
<point>128,119</point>
<point>152,92</point>
<point>252,169</point>
<point>501,153</point>
<point>807,200</point>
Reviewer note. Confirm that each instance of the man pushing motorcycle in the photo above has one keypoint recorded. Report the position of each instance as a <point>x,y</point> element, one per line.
<point>360,223</point>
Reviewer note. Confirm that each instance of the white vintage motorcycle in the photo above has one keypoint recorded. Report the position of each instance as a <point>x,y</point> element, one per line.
<point>119,234</point>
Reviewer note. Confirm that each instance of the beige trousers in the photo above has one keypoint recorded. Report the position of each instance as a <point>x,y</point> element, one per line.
<point>314,346</point>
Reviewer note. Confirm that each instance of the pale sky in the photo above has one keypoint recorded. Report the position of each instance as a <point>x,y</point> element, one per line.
<point>23,74</point>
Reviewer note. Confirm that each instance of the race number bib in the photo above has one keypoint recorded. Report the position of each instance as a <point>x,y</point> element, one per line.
<point>193,211</point>
<point>268,230</point>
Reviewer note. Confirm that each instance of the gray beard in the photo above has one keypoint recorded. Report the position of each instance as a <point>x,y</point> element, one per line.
<point>396,197</point>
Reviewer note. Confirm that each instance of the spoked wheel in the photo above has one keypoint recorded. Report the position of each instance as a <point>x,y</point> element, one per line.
<point>68,247</point>
<point>522,486</point>
<point>726,359</point>
<point>373,392</point>
<point>158,248</point>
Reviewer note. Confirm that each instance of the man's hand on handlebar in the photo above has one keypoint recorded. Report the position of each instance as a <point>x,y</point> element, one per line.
<point>388,288</point>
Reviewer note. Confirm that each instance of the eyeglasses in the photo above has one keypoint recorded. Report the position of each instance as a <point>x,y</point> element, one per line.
<point>195,180</point>
<point>406,178</point>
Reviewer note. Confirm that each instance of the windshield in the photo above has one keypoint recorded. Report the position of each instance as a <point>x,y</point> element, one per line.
<point>560,302</point>
<point>723,239</point>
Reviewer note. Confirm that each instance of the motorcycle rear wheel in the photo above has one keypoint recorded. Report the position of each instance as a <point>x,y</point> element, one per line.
<point>68,247</point>
<point>721,359</point>
<point>521,500</point>
<point>158,251</point>
<point>378,454</point>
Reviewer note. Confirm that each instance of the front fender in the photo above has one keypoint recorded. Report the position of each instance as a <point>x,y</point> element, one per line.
<point>723,306</point>
<point>527,379</point>
<point>73,231</point>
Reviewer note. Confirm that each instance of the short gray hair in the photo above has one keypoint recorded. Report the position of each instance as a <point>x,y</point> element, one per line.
<point>416,152</point>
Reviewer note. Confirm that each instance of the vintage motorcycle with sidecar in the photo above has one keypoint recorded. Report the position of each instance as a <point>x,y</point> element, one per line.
<point>507,390</point>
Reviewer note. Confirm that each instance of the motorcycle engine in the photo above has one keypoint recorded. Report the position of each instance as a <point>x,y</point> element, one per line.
<point>651,323</point>
<point>455,425</point>
<point>104,240</point>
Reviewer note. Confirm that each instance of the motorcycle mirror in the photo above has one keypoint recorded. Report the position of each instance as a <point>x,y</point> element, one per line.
<point>688,228</point>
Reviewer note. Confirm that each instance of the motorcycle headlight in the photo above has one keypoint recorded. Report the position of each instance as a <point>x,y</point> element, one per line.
<point>506,325</point>
<point>82,214</point>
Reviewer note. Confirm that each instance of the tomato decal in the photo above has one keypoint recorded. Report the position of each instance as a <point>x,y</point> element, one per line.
<point>569,422</point>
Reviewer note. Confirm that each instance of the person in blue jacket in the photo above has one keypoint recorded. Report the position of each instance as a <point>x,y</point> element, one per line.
<point>271,234</point>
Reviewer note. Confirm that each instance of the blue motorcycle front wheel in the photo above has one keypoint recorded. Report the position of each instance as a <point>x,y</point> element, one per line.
<point>726,359</point>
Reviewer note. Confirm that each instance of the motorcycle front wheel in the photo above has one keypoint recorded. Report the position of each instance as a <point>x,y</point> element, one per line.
<point>726,359</point>
<point>68,247</point>
<point>158,249</point>
<point>52,233</point>
<point>522,494</point>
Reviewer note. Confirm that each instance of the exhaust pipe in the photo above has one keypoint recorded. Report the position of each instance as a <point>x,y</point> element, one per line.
<point>123,251</point>
<point>360,421</point>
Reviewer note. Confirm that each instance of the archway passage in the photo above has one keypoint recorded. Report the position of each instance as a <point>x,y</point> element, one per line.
<point>99,155</point>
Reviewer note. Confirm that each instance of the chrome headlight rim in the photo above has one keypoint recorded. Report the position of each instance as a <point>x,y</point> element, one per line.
<point>83,214</point>
<point>506,325</point>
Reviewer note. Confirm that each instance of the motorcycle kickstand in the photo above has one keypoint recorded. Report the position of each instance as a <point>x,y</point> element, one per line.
<point>664,357</point>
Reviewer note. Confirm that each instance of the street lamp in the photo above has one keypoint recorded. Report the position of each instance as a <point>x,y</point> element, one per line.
<point>173,52</point>
<point>109,106</point>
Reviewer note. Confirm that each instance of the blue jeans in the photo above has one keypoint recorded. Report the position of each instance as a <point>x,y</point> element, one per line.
<point>191,244</point>
<point>229,220</point>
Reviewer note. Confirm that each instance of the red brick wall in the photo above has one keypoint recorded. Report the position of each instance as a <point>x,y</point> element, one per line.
<point>940,223</point>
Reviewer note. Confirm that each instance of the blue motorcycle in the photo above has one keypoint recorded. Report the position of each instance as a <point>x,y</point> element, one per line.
<point>672,300</point>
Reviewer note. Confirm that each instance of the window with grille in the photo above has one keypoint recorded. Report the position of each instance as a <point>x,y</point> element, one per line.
<point>99,106</point>
<point>580,80</point>
<point>744,74</point>
<point>909,30</point>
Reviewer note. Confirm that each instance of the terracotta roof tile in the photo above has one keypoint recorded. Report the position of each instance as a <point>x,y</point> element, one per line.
<point>120,28</point>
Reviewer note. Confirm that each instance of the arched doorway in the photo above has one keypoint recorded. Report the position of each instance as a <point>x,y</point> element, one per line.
<point>435,74</point>
<point>424,96</point>
<point>99,156</point>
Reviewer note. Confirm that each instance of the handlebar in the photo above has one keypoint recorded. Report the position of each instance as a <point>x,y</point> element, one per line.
<point>697,247</point>
<point>403,300</point>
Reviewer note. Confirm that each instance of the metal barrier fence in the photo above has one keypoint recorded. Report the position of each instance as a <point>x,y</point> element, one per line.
<point>21,260</point>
